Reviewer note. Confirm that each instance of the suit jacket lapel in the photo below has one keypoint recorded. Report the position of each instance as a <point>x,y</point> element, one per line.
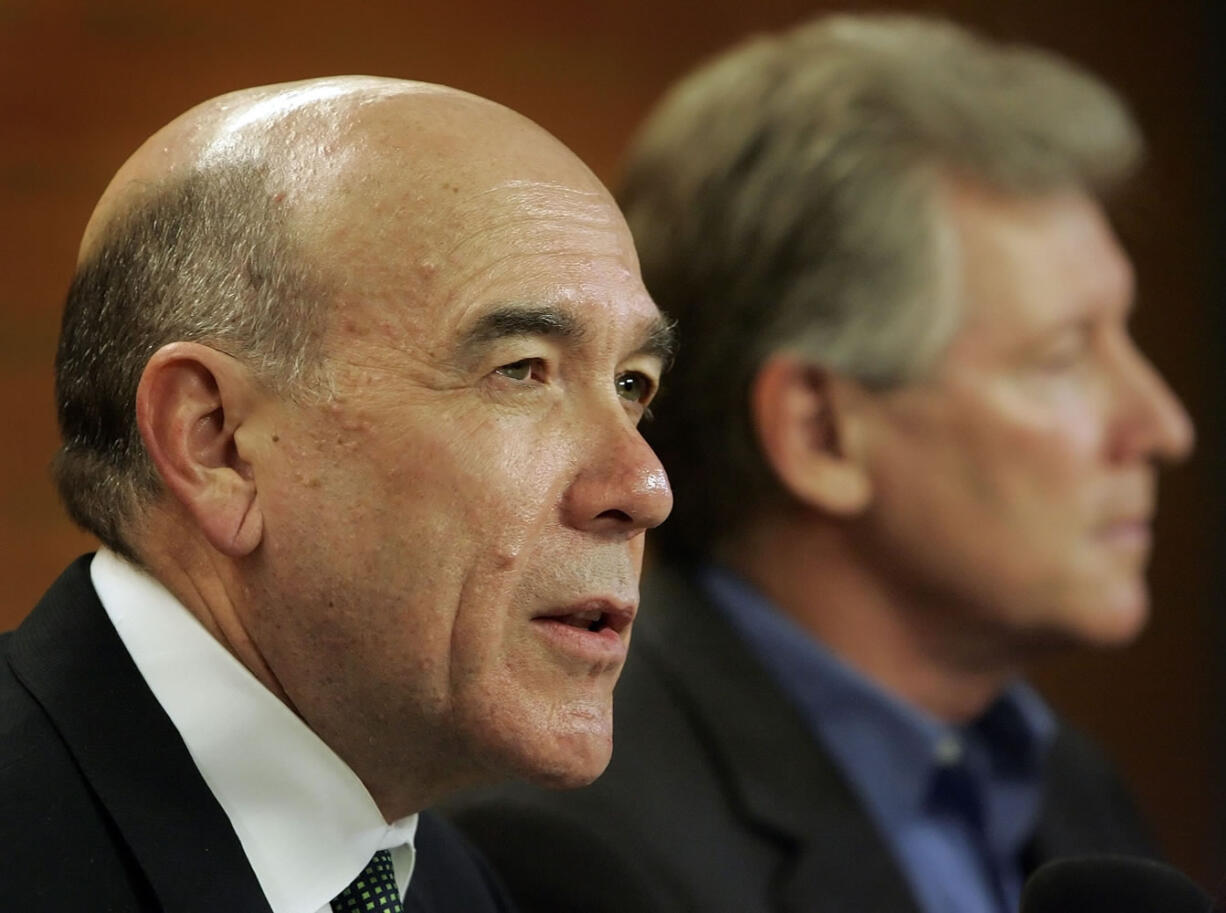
<point>1086,807</point>
<point>70,658</point>
<point>776,772</point>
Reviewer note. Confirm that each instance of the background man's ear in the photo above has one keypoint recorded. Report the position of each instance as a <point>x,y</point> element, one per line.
<point>190,401</point>
<point>808,431</point>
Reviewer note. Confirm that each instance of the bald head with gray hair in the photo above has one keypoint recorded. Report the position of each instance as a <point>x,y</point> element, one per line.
<point>208,257</point>
<point>786,196</point>
<point>204,235</point>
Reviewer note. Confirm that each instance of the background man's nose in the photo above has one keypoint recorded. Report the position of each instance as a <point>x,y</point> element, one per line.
<point>1152,421</point>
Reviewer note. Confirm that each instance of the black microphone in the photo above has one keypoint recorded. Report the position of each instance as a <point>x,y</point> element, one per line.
<point>1112,884</point>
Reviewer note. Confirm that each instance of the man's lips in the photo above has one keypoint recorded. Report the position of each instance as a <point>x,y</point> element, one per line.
<point>594,615</point>
<point>596,630</point>
<point>1127,524</point>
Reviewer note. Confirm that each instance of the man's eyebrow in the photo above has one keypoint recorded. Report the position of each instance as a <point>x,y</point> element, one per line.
<point>660,340</point>
<point>522,320</point>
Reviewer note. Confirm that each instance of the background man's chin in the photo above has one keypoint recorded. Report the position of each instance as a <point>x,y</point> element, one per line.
<point>1120,624</point>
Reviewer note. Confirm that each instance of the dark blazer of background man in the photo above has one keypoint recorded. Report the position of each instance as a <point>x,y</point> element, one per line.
<point>349,381</point>
<point>913,447</point>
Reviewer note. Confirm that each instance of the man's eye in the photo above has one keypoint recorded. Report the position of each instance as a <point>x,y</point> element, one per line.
<point>1068,353</point>
<point>1064,359</point>
<point>518,370</point>
<point>633,386</point>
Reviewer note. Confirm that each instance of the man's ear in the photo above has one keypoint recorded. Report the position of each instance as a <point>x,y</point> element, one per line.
<point>189,404</point>
<point>807,430</point>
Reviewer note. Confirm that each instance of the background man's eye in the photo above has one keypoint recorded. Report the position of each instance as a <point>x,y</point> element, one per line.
<point>517,370</point>
<point>633,386</point>
<point>1065,359</point>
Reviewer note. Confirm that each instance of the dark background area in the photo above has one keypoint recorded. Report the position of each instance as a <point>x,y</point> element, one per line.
<point>83,83</point>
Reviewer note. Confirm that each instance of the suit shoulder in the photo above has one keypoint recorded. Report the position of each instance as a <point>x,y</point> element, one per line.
<point>31,751</point>
<point>450,874</point>
<point>554,861</point>
<point>1087,807</point>
<point>52,828</point>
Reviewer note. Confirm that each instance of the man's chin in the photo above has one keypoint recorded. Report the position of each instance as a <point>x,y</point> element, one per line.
<point>1114,620</point>
<point>1120,627</point>
<point>574,761</point>
<point>561,744</point>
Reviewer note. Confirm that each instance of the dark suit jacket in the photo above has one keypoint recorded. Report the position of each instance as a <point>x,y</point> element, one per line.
<point>718,798</point>
<point>101,806</point>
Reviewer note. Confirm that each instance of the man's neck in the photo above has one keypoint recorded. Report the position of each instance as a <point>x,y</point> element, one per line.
<point>207,586</point>
<point>935,660</point>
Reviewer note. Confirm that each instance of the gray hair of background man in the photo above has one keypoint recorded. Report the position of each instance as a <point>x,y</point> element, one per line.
<point>208,258</point>
<point>786,197</point>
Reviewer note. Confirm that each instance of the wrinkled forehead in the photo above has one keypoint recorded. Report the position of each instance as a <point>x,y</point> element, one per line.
<point>433,267</point>
<point>462,172</point>
<point>433,218</point>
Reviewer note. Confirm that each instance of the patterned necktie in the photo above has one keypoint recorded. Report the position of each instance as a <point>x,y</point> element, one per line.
<point>373,891</point>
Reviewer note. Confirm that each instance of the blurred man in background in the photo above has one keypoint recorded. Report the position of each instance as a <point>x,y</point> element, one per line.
<point>913,447</point>
<point>349,384</point>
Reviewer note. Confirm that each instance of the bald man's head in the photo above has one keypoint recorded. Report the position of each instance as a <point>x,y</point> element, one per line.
<point>354,368</point>
<point>244,223</point>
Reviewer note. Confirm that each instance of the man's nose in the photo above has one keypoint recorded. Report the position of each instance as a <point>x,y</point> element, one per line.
<point>621,487</point>
<point>1152,421</point>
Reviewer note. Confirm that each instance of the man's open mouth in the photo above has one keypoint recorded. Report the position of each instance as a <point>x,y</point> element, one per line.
<point>595,616</point>
<point>591,620</point>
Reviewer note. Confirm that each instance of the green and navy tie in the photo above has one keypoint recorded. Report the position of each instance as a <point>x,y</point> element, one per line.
<point>373,891</point>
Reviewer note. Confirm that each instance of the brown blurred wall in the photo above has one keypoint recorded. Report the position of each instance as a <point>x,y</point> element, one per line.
<point>81,84</point>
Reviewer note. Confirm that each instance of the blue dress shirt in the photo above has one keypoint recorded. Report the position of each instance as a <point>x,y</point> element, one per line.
<point>956,804</point>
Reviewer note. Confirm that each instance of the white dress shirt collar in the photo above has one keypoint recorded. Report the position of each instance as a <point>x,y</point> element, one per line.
<point>304,819</point>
